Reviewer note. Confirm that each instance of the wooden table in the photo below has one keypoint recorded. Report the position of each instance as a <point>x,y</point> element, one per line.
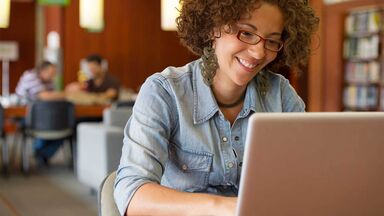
<point>81,111</point>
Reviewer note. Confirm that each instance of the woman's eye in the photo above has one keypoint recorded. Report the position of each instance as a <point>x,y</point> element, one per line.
<point>246,34</point>
<point>272,42</point>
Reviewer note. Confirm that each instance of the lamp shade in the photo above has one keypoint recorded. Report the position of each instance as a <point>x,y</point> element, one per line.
<point>5,8</point>
<point>169,13</point>
<point>92,14</point>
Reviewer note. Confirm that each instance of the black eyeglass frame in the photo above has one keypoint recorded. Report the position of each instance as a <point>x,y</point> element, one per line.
<point>238,35</point>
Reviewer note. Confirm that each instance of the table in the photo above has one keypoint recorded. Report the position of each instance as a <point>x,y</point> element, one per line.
<point>80,111</point>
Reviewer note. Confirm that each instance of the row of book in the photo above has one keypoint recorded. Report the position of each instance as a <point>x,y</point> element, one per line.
<point>362,72</point>
<point>362,47</point>
<point>382,99</point>
<point>363,21</point>
<point>361,97</point>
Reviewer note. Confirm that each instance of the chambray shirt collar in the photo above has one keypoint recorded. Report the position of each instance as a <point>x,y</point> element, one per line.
<point>253,101</point>
<point>204,103</point>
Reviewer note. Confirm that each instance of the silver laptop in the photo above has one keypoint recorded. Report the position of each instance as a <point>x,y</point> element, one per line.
<point>317,164</point>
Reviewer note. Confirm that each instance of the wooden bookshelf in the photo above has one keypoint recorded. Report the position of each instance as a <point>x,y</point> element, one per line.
<point>363,59</point>
<point>333,20</point>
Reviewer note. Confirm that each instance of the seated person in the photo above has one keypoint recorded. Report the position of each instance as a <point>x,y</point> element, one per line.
<point>37,84</point>
<point>102,85</point>
<point>184,142</point>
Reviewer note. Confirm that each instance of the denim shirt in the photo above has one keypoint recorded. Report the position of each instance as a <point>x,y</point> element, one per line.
<point>178,137</point>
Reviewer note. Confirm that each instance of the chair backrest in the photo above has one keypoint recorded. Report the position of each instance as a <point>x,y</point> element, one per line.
<point>50,115</point>
<point>106,202</point>
<point>117,116</point>
<point>123,103</point>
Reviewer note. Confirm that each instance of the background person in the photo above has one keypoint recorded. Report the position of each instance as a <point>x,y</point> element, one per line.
<point>184,143</point>
<point>37,84</point>
<point>101,84</point>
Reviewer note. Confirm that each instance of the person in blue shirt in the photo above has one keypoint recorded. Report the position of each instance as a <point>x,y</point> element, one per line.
<point>184,143</point>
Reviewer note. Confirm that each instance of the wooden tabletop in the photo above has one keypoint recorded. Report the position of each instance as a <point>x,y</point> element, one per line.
<point>81,111</point>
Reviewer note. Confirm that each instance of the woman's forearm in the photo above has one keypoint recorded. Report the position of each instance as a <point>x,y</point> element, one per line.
<point>154,199</point>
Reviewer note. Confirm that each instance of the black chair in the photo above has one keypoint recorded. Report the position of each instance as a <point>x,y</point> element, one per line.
<point>125,103</point>
<point>48,120</point>
<point>4,146</point>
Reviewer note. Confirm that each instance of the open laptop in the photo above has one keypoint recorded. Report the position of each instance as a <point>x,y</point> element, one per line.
<point>326,164</point>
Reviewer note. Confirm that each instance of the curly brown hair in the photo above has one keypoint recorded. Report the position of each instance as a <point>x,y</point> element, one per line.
<point>198,18</point>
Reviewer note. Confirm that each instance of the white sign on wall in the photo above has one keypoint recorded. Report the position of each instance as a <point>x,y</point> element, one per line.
<point>9,50</point>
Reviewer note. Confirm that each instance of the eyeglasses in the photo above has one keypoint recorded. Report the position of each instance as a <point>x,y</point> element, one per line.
<point>253,39</point>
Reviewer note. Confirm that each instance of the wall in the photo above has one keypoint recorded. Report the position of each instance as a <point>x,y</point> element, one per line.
<point>132,41</point>
<point>22,30</point>
<point>315,68</point>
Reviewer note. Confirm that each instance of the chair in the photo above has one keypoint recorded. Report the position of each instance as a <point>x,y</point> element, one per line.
<point>106,202</point>
<point>123,103</point>
<point>48,120</point>
<point>4,146</point>
<point>99,146</point>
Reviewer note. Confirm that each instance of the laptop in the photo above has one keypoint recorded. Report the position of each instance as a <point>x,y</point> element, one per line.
<point>317,164</point>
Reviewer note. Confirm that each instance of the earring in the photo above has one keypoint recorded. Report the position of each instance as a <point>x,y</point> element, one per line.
<point>209,65</point>
<point>262,83</point>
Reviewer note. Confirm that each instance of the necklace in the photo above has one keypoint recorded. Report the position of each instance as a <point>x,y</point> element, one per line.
<point>237,102</point>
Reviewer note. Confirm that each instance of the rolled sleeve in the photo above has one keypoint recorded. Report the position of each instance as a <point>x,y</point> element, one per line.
<point>146,136</point>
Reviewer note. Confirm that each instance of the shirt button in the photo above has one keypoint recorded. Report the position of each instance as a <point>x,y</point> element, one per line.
<point>184,167</point>
<point>237,138</point>
<point>225,139</point>
<point>230,164</point>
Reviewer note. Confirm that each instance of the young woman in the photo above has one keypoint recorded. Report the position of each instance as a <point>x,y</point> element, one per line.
<point>183,145</point>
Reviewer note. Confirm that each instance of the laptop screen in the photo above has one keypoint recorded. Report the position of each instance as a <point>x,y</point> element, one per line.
<point>313,164</point>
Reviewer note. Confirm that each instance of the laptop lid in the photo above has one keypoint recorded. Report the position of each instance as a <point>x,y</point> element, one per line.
<point>313,164</point>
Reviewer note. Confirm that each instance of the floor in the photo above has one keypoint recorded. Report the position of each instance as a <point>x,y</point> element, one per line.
<point>52,190</point>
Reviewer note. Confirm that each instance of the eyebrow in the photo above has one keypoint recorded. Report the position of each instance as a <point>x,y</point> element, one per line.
<point>255,29</point>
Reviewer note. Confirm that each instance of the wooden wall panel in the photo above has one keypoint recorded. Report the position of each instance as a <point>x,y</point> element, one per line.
<point>315,81</point>
<point>132,41</point>
<point>22,30</point>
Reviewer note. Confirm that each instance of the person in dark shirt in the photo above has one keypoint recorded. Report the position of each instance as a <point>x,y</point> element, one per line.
<point>100,85</point>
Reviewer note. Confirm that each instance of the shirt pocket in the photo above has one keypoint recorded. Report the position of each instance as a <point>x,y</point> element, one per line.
<point>188,170</point>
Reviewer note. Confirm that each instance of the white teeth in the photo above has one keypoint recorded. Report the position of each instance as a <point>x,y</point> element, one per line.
<point>247,64</point>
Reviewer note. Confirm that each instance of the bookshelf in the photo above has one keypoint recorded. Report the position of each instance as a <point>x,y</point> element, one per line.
<point>363,88</point>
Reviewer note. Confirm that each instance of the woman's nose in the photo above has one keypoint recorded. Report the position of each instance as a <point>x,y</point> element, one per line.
<point>257,51</point>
